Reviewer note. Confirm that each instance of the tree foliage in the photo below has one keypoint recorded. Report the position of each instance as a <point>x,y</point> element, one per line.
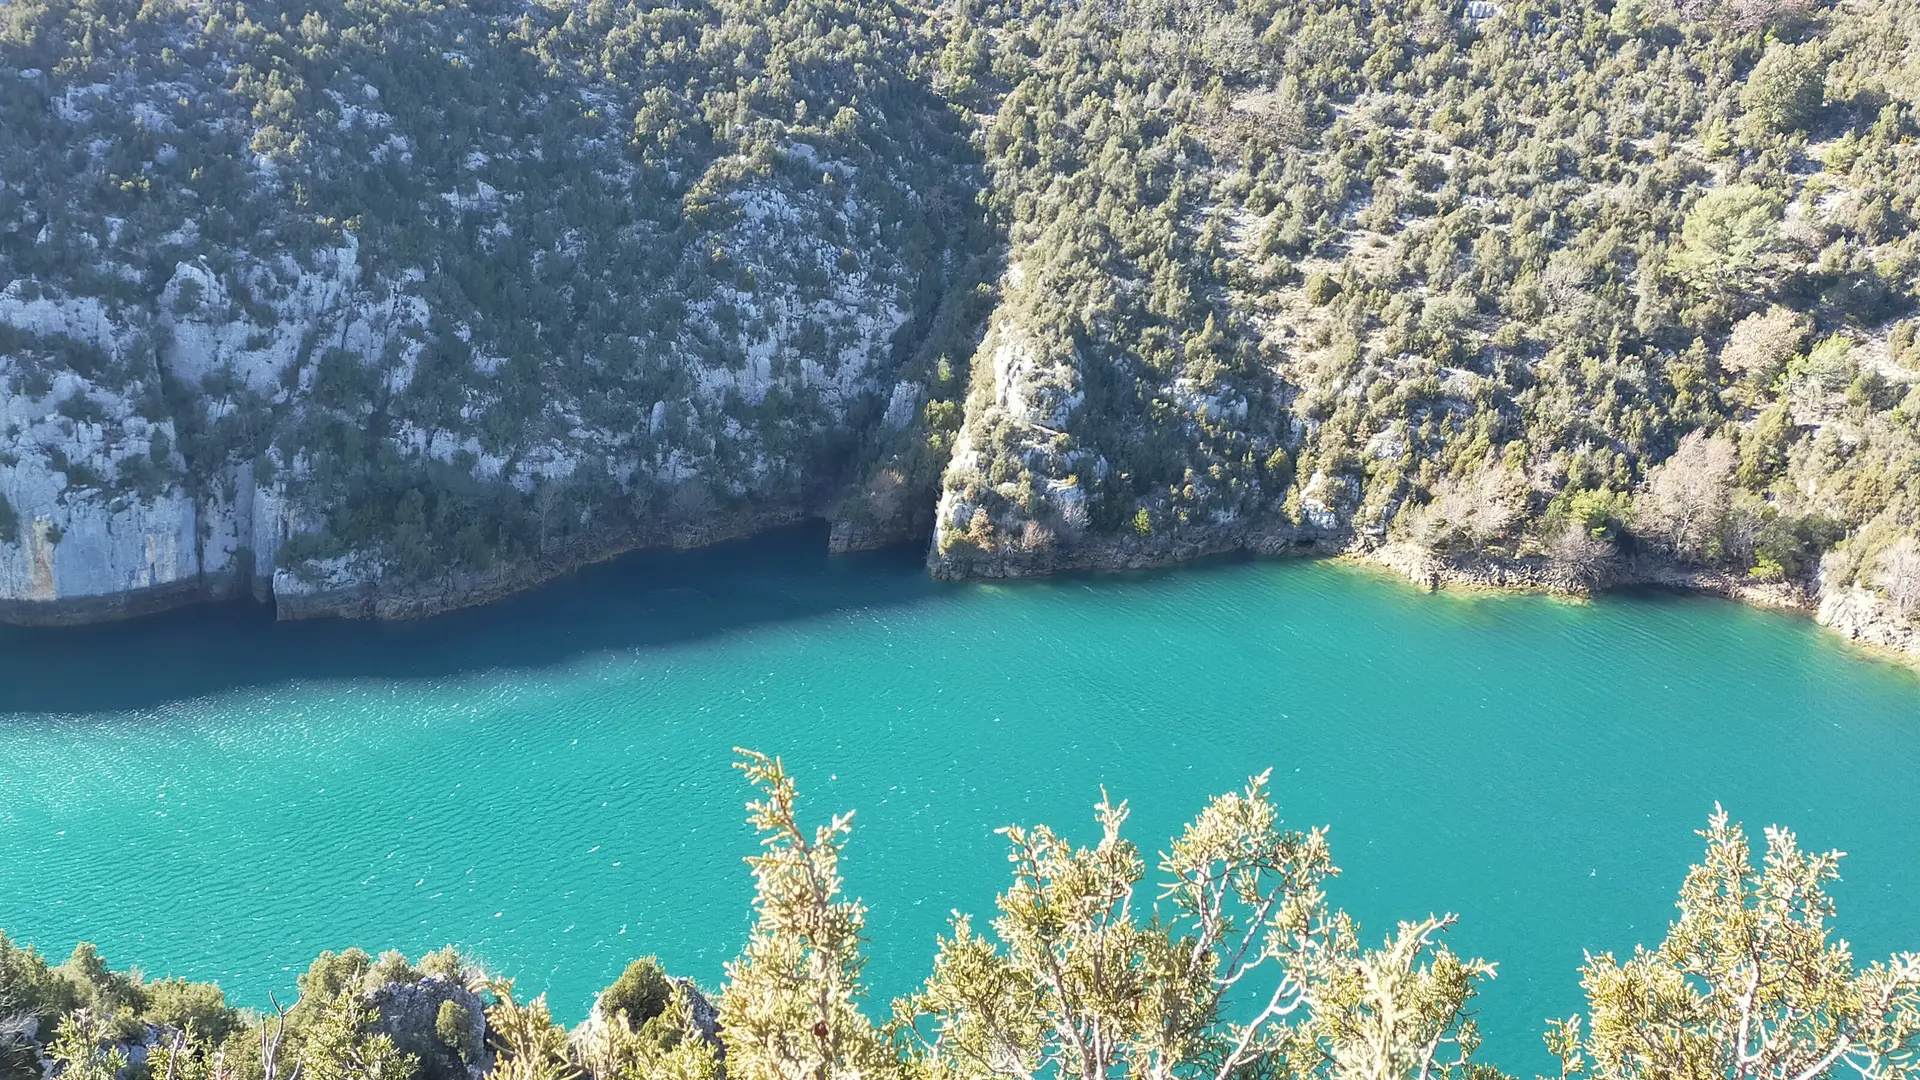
<point>1083,982</point>
<point>791,1004</point>
<point>1748,983</point>
<point>1231,966</point>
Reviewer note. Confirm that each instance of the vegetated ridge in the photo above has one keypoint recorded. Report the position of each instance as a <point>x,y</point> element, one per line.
<point>381,308</point>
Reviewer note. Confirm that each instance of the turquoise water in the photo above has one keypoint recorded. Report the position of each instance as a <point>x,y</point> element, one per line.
<point>546,782</point>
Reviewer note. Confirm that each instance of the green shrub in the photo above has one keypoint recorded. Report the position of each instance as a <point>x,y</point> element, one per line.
<point>391,967</point>
<point>453,1024</point>
<point>1786,87</point>
<point>1321,288</point>
<point>107,993</point>
<point>446,963</point>
<point>1900,344</point>
<point>331,972</point>
<point>1603,514</point>
<point>640,993</point>
<point>28,985</point>
<point>190,1006</point>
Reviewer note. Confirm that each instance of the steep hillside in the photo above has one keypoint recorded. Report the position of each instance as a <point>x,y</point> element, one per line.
<point>1553,293</point>
<point>383,308</point>
<point>376,304</point>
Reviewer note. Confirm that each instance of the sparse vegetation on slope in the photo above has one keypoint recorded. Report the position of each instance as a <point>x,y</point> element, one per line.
<point>391,296</point>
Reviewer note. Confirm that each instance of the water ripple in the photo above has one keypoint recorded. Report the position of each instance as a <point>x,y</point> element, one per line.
<point>1534,764</point>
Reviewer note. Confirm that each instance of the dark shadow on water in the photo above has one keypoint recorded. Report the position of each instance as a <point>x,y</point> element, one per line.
<point>647,599</point>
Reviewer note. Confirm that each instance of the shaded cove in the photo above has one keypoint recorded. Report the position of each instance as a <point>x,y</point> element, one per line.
<point>546,781</point>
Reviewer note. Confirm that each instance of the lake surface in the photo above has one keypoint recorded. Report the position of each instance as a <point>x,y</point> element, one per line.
<point>546,782</point>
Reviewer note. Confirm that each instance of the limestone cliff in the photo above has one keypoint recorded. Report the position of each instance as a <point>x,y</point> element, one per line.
<point>412,323</point>
<point>378,309</point>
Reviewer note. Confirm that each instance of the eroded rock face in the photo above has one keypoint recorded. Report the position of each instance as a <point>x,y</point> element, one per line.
<point>1869,618</point>
<point>410,1012</point>
<point>109,517</point>
<point>21,1058</point>
<point>706,1016</point>
<point>95,514</point>
<point>418,323</point>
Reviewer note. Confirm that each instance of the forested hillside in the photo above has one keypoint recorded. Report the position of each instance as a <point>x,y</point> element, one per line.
<point>383,308</point>
<point>1554,284</point>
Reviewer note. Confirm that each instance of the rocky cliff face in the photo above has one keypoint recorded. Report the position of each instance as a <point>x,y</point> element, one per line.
<point>409,1013</point>
<point>99,521</point>
<point>403,326</point>
<point>112,519</point>
<point>1870,619</point>
<point>378,310</point>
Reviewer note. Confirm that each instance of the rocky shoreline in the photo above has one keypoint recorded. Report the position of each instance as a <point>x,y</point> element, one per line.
<point>1862,617</point>
<point>377,598</point>
<point>1859,615</point>
<point>1129,553</point>
<point>350,588</point>
<point>853,525</point>
<point>113,607</point>
<point>1539,574</point>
